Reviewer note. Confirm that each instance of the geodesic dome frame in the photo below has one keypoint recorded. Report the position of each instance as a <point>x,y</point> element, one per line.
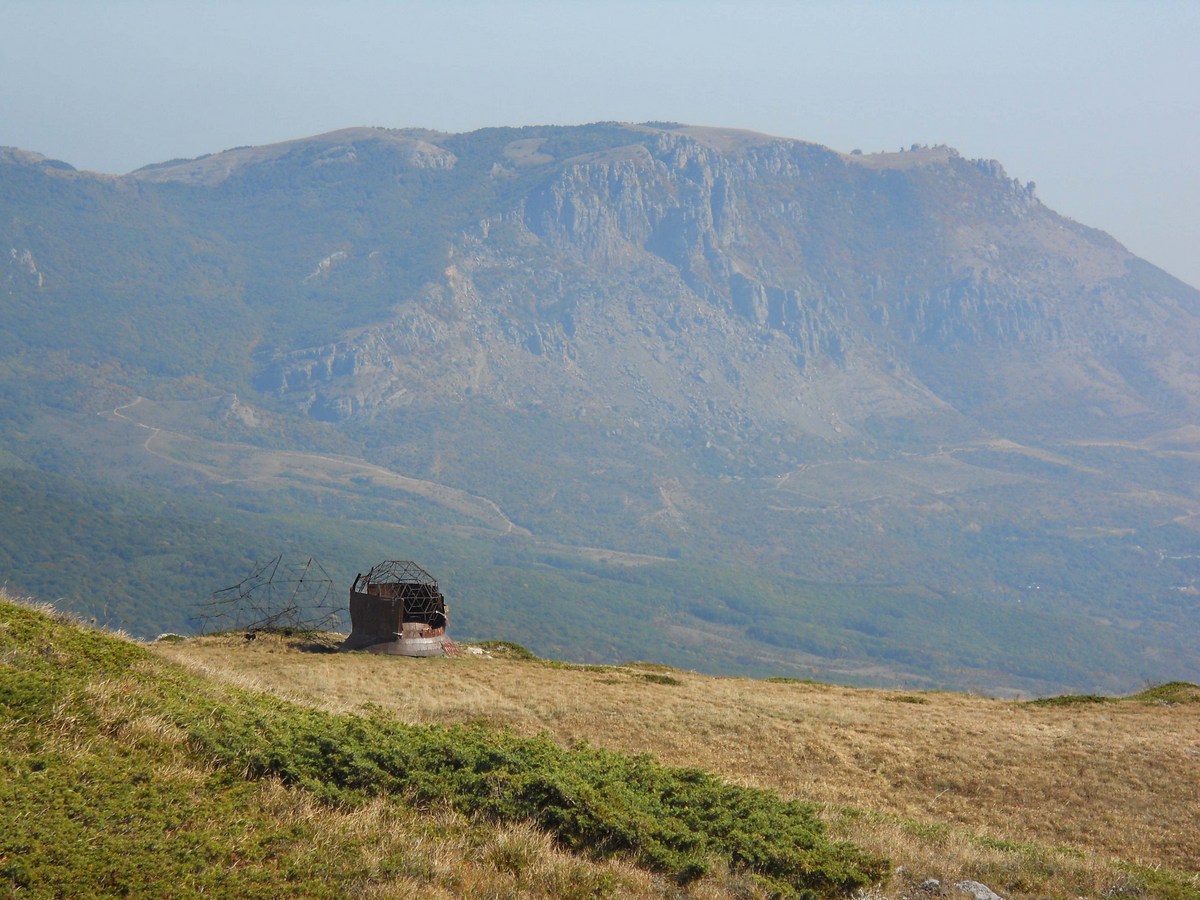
<point>404,580</point>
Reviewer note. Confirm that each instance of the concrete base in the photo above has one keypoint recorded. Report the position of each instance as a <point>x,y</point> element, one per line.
<point>416,646</point>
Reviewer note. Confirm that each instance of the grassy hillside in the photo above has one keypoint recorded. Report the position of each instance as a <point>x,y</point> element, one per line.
<point>124,774</point>
<point>271,768</point>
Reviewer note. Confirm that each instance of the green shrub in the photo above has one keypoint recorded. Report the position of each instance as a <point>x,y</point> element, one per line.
<point>506,649</point>
<point>658,678</point>
<point>676,821</point>
<point>1071,700</point>
<point>1171,692</point>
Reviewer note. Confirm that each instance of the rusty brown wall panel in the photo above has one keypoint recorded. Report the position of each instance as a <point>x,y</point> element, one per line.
<point>373,618</point>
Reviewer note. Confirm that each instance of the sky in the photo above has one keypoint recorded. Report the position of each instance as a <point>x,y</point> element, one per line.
<point>1098,102</point>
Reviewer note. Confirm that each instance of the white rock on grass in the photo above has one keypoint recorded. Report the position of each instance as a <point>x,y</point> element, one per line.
<point>978,891</point>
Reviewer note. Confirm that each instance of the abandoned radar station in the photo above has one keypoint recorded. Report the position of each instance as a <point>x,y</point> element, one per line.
<point>397,608</point>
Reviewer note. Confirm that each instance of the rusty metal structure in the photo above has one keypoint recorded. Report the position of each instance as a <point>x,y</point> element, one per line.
<point>275,596</point>
<point>397,608</point>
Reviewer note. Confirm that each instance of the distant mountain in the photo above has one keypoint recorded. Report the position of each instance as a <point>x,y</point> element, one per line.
<point>898,376</point>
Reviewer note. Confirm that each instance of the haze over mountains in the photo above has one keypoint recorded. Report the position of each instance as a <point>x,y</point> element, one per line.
<point>712,397</point>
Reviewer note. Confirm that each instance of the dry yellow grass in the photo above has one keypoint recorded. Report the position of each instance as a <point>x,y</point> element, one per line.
<point>1045,800</point>
<point>444,855</point>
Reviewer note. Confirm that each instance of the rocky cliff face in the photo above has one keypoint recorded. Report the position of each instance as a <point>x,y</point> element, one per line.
<point>23,271</point>
<point>688,270</point>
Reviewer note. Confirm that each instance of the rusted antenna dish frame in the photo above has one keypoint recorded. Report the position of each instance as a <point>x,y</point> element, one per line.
<point>275,596</point>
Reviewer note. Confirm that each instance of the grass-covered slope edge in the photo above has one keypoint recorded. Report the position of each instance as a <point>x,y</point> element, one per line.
<point>63,683</point>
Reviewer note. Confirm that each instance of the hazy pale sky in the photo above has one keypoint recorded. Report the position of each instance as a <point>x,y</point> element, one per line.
<point>1098,102</point>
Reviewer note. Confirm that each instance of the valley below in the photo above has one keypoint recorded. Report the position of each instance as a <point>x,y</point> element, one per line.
<point>724,401</point>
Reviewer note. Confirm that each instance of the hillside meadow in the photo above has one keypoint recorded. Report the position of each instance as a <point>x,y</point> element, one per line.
<point>273,767</point>
<point>1074,796</point>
